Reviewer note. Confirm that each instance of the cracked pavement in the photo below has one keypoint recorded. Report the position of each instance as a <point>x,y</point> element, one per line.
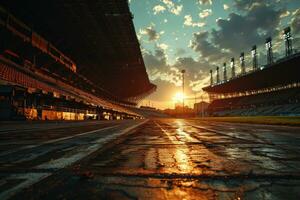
<point>158,159</point>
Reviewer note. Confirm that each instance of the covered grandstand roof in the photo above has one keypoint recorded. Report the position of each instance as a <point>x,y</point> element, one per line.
<point>97,34</point>
<point>283,72</point>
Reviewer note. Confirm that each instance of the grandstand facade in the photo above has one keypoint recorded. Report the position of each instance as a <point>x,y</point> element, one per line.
<point>272,89</point>
<point>70,60</point>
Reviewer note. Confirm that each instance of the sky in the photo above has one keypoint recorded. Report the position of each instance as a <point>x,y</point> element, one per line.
<point>199,35</point>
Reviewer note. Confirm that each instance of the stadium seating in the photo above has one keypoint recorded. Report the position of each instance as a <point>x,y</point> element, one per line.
<point>149,113</point>
<point>283,102</point>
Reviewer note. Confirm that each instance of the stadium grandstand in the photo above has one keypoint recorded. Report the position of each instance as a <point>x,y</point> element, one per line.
<point>150,112</point>
<point>268,90</point>
<point>70,60</point>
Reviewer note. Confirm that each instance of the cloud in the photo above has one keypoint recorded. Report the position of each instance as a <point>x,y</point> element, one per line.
<point>170,6</point>
<point>285,14</point>
<point>246,5</point>
<point>207,49</point>
<point>151,33</point>
<point>180,52</point>
<point>205,2</point>
<point>160,71</point>
<point>158,9</point>
<point>205,13</point>
<point>177,10</point>
<point>163,46</point>
<point>295,24</point>
<point>239,32</point>
<point>197,72</point>
<point>188,21</point>
<point>226,7</point>
<point>158,68</point>
<point>197,85</point>
<point>191,65</point>
<point>236,34</point>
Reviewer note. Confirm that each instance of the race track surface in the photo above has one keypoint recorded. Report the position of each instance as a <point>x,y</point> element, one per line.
<point>148,159</point>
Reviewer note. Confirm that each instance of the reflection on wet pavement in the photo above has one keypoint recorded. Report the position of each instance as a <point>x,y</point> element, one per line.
<point>190,159</point>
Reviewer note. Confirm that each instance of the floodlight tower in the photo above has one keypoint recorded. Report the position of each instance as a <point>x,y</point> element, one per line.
<point>183,71</point>
<point>211,78</point>
<point>242,62</point>
<point>218,75</point>
<point>254,57</point>
<point>288,41</point>
<point>269,50</point>
<point>232,64</point>
<point>224,72</point>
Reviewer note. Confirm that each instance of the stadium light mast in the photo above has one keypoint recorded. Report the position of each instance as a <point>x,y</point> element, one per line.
<point>218,75</point>
<point>254,57</point>
<point>183,71</point>
<point>224,72</point>
<point>269,50</point>
<point>288,41</point>
<point>211,77</point>
<point>242,62</point>
<point>232,64</point>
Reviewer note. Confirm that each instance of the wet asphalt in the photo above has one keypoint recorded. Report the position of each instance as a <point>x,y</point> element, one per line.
<point>149,159</point>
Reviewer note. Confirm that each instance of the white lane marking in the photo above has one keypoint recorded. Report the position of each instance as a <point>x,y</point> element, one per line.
<point>84,152</point>
<point>55,140</point>
<point>47,126</point>
<point>30,179</point>
<point>80,134</point>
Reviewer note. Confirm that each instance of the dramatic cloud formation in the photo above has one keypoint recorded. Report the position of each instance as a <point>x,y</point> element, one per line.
<point>204,2</point>
<point>205,13</point>
<point>180,52</point>
<point>208,34</point>
<point>188,21</point>
<point>197,72</point>
<point>296,22</point>
<point>163,46</point>
<point>248,4</point>
<point>295,25</point>
<point>285,14</point>
<point>226,7</point>
<point>150,32</point>
<point>168,5</point>
<point>159,69</point>
<point>233,35</point>
<point>158,9</point>
<point>240,32</point>
<point>207,49</point>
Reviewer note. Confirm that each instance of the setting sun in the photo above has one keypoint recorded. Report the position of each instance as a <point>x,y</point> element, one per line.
<point>178,97</point>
